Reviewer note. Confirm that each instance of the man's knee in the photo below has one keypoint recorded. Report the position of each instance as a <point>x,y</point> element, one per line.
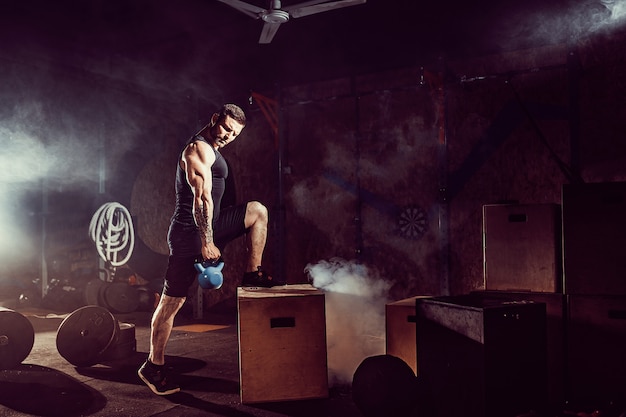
<point>166,310</point>
<point>256,211</point>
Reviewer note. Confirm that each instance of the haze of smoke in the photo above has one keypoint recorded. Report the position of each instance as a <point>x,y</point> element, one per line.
<point>36,151</point>
<point>37,156</point>
<point>559,25</point>
<point>15,245</point>
<point>616,7</point>
<point>26,162</point>
<point>355,314</point>
<point>23,157</point>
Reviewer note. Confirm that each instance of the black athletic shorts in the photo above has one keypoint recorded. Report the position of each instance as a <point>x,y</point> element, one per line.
<point>185,248</point>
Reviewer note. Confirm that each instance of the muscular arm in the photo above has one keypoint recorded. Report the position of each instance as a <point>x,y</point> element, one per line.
<point>197,160</point>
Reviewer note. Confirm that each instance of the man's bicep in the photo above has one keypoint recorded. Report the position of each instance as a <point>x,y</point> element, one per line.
<point>197,168</point>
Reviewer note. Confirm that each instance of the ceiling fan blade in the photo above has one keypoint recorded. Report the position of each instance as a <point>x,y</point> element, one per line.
<point>247,8</point>
<point>303,4</point>
<point>268,32</point>
<point>302,11</point>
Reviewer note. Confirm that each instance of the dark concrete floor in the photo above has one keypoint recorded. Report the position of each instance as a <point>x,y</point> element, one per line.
<point>205,363</point>
<point>204,357</point>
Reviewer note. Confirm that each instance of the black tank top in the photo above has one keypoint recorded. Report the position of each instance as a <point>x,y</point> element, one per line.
<point>183,212</point>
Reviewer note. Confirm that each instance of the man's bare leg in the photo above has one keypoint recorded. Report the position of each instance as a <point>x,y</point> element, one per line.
<point>161,328</point>
<point>152,372</point>
<point>256,221</point>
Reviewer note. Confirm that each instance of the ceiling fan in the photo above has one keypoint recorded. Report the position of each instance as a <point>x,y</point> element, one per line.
<point>276,15</point>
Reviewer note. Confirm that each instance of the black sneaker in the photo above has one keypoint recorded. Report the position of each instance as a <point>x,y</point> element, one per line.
<point>259,278</point>
<point>154,377</point>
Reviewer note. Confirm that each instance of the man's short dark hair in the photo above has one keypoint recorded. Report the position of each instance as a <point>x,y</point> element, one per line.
<point>235,112</point>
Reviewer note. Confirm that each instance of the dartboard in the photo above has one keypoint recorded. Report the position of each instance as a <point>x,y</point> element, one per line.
<point>412,222</point>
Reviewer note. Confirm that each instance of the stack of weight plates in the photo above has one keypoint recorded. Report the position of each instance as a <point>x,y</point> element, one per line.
<point>92,335</point>
<point>117,297</point>
<point>126,344</point>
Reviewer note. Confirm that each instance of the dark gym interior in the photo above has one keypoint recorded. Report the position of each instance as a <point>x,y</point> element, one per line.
<point>447,178</point>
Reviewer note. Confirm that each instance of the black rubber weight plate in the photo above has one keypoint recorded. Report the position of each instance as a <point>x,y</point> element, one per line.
<point>92,292</point>
<point>121,298</point>
<point>17,337</point>
<point>127,332</point>
<point>85,335</point>
<point>126,344</point>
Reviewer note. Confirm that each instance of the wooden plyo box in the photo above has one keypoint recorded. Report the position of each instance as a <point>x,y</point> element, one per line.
<point>400,338</point>
<point>481,357</point>
<point>596,340</point>
<point>282,343</point>
<point>555,335</point>
<point>594,238</point>
<point>521,247</point>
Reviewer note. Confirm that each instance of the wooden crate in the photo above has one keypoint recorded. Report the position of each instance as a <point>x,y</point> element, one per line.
<point>555,335</point>
<point>400,331</point>
<point>282,343</point>
<point>596,341</point>
<point>594,238</point>
<point>481,357</point>
<point>521,247</point>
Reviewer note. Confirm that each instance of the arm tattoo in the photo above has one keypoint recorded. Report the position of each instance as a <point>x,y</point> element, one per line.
<point>204,218</point>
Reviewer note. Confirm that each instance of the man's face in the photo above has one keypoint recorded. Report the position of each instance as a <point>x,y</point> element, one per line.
<point>224,131</point>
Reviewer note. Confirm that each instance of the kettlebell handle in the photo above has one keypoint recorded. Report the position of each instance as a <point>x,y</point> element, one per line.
<point>207,262</point>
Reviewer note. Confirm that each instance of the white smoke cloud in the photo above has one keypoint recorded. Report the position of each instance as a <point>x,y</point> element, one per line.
<point>616,7</point>
<point>23,157</point>
<point>355,314</point>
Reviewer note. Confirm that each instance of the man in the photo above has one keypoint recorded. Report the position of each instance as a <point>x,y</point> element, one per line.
<point>199,230</point>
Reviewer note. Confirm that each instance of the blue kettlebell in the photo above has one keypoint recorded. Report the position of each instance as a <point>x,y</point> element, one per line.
<point>210,274</point>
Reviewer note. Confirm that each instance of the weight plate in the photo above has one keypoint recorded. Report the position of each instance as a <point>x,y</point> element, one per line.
<point>147,298</point>
<point>86,334</point>
<point>126,344</point>
<point>120,351</point>
<point>17,337</point>
<point>127,332</point>
<point>120,297</point>
<point>93,290</point>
